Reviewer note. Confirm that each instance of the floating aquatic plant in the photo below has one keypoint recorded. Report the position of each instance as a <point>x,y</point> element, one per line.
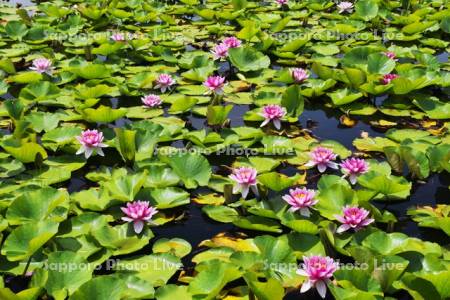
<point>164,82</point>
<point>298,100</point>
<point>353,218</point>
<point>353,167</point>
<point>139,213</point>
<point>245,179</point>
<point>215,84</point>
<point>42,65</point>
<point>301,199</point>
<point>273,113</point>
<point>318,270</point>
<point>91,143</point>
<point>345,6</point>
<point>151,100</point>
<point>323,158</point>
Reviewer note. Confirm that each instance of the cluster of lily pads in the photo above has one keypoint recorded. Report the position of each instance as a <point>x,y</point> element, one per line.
<point>99,146</point>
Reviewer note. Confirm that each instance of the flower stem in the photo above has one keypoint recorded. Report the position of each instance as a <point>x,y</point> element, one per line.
<point>26,267</point>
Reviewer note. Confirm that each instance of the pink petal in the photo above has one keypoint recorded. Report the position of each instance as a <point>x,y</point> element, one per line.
<point>254,189</point>
<point>367,222</point>
<point>88,152</point>
<point>305,212</point>
<point>100,152</point>
<point>342,228</point>
<point>332,165</point>
<point>339,218</point>
<point>306,286</point>
<point>244,191</point>
<point>277,124</point>
<point>293,209</point>
<point>310,163</point>
<point>321,168</point>
<point>321,288</point>
<point>236,188</point>
<point>138,226</point>
<point>266,121</point>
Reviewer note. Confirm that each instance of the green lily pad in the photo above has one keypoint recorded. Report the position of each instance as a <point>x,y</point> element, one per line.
<point>172,291</point>
<point>92,71</point>
<point>26,77</point>
<point>435,109</point>
<point>378,63</point>
<point>24,152</point>
<point>258,223</point>
<point>122,239</point>
<point>26,239</point>
<point>100,288</point>
<point>278,182</point>
<point>124,187</point>
<point>67,272</point>
<point>34,206</point>
<point>214,275</point>
<point>344,96</point>
<point>155,269</point>
<point>39,91</point>
<point>193,169</point>
<point>176,246</point>
<point>248,59</point>
<point>293,101</point>
<point>367,9</point>
<point>103,114</point>
<point>169,197</point>
<point>221,213</point>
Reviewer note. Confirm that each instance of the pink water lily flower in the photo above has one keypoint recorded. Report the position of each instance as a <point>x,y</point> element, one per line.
<point>353,218</point>
<point>42,65</point>
<point>388,78</point>
<point>91,141</point>
<point>319,270</point>
<point>138,212</point>
<point>274,113</point>
<point>353,167</point>
<point>322,158</point>
<point>118,37</point>
<point>232,42</point>
<point>345,6</point>
<point>281,2</point>
<point>215,84</point>
<point>220,51</point>
<point>164,82</point>
<point>390,55</point>
<point>245,178</point>
<point>300,199</point>
<point>299,75</point>
<point>151,100</point>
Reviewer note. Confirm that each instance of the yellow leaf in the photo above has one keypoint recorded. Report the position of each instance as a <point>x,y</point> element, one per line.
<point>238,244</point>
<point>346,121</point>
